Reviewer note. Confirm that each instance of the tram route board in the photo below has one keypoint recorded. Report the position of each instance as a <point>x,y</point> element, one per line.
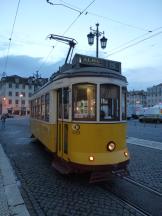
<point>79,60</point>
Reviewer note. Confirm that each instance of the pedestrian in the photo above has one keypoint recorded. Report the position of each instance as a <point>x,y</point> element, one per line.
<point>3,119</point>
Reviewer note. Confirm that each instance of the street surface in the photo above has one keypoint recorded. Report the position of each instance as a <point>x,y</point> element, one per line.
<point>148,131</point>
<point>47,193</point>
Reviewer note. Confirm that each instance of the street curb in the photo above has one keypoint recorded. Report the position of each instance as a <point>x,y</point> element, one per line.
<point>14,199</point>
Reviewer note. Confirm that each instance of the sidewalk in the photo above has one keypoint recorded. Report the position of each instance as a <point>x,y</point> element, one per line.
<point>11,201</point>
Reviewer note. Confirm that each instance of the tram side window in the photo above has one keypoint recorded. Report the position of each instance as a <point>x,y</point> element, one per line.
<point>47,107</point>
<point>38,108</point>
<point>42,107</point>
<point>31,108</point>
<point>35,108</point>
<point>66,103</point>
<point>109,102</point>
<point>84,102</point>
<point>60,103</point>
<point>124,98</point>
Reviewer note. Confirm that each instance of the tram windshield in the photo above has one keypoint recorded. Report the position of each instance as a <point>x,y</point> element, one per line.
<point>84,102</point>
<point>109,102</point>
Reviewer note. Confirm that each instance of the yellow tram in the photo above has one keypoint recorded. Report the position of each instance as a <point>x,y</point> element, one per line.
<point>80,116</point>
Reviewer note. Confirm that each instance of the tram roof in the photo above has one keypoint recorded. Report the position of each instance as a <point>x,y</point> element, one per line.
<point>88,66</point>
<point>83,65</point>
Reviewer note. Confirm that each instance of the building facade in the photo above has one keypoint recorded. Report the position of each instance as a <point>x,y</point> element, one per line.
<point>15,92</point>
<point>135,98</point>
<point>149,98</point>
<point>154,95</point>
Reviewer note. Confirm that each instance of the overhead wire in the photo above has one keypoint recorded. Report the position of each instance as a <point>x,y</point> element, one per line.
<point>120,50</point>
<point>66,30</point>
<point>136,38</point>
<point>108,18</point>
<point>64,5</point>
<point>45,59</point>
<point>119,22</point>
<point>10,39</point>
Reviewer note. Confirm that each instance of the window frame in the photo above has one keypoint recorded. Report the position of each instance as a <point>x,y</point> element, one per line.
<point>84,119</point>
<point>119,105</point>
<point>124,90</point>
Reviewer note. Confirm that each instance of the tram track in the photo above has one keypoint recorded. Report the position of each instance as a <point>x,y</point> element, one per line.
<point>143,199</point>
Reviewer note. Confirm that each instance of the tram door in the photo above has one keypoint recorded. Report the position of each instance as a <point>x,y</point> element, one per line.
<point>62,123</point>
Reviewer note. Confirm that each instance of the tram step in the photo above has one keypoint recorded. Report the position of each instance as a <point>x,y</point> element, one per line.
<point>61,166</point>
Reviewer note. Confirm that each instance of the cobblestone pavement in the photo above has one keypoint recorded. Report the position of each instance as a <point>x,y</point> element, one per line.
<point>4,211</point>
<point>48,193</point>
<point>145,166</point>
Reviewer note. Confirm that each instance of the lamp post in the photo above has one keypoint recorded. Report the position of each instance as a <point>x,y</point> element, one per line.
<point>21,95</point>
<point>4,104</point>
<point>97,33</point>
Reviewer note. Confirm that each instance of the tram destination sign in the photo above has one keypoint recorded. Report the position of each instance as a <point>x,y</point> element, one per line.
<point>82,60</point>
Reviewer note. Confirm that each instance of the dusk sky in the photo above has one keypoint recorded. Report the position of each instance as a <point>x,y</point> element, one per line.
<point>133,29</point>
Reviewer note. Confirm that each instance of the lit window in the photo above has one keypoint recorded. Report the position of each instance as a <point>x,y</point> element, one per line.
<point>109,103</point>
<point>84,102</point>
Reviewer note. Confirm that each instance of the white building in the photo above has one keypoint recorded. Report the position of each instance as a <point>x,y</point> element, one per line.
<point>154,95</point>
<point>135,98</point>
<point>15,92</point>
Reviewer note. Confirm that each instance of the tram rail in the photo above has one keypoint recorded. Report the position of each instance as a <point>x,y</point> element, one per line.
<point>140,197</point>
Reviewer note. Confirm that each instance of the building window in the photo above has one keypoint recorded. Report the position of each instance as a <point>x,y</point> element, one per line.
<point>17,85</point>
<point>10,85</point>
<point>9,93</point>
<point>30,86</point>
<point>30,94</point>
<point>23,86</point>
<point>84,102</point>
<point>23,93</point>
<point>16,101</point>
<point>109,102</point>
<point>23,102</point>
<point>17,94</point>
<point>10,101</point>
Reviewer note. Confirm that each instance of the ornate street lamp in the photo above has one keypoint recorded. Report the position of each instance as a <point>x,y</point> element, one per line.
<point>103,42</point>
<point>97,33</point>
<point>90,38</point>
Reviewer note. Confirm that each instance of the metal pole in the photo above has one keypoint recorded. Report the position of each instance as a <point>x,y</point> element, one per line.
<point>97,36</point>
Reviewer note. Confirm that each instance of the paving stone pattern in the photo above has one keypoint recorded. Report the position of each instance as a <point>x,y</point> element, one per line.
<point>48,193</point>
<point>4,211</point>
<point>54,194</point>
<point>145,166</point>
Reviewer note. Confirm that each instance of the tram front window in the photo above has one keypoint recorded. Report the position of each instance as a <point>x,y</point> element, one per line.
<point>84,102</point>
<point>109,103</point>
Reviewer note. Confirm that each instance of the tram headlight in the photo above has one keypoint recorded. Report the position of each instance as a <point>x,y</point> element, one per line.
<point>91,158</point>
<point>111,146</point>
<point>126,154</point>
